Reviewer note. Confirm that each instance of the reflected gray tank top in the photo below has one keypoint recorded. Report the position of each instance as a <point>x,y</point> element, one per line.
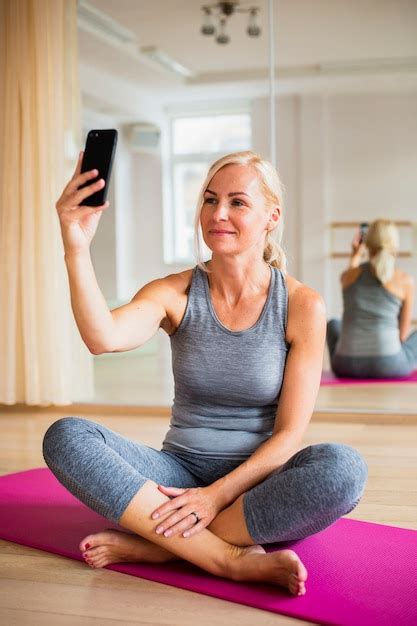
<point>227,383</point>
<point>370,318</point>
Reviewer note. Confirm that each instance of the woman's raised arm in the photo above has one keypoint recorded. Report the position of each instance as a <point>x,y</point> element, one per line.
<point>102,330</point>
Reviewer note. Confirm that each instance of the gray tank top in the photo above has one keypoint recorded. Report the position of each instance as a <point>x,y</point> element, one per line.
<point>370,318</point>
<point>227,383</point>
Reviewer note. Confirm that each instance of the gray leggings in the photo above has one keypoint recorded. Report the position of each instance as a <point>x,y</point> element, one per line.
<point>104,470</point>
<point>393,366</point>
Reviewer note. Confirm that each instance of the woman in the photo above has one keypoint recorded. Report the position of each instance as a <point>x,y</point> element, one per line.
<point>373,339</point>
<point>230,475</point>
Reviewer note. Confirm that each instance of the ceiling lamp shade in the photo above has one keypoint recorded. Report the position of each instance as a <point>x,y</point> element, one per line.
<point>222,11</point>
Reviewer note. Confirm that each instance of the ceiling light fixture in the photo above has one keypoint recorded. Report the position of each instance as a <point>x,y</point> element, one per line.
<point>224,11</point>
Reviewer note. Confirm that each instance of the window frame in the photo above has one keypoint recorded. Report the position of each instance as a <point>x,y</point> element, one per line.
<point>172,160</point>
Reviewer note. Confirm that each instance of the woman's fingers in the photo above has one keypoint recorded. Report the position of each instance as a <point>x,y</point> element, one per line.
<point>176,524</point>
<point>174,490</point>
<point>76,198</point>
<point>79,180</point>
<point>79,163</point>
<point>195,528</point>
<point>172,505</point>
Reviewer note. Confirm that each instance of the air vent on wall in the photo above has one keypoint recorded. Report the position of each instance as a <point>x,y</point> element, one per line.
<point>144,138</point>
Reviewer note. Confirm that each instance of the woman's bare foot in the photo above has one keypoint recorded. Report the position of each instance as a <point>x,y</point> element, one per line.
<point>283,567</point>
<point>250,563</point>
<point>115,546</point>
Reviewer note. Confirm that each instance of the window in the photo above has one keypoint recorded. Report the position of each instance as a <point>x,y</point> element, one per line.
<point>196,142</point>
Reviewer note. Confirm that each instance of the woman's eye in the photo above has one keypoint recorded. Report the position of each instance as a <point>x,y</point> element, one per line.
<point>237,203</point>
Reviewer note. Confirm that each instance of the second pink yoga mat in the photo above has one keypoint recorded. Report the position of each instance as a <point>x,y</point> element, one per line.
<point>328,378</point>
<point>360,573</point>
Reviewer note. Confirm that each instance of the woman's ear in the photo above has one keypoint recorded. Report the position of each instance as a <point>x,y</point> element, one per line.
<point>274,217</point>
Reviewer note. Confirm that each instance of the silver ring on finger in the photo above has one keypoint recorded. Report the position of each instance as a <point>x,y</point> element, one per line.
<point>197,519</point>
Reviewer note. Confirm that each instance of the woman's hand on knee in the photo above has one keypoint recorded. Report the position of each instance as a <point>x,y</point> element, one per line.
<point>186,505</point>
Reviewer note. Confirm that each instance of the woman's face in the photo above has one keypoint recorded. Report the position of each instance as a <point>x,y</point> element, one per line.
<point>234,217</point>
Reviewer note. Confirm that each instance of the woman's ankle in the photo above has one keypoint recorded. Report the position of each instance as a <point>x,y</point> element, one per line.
<point>233,561</point>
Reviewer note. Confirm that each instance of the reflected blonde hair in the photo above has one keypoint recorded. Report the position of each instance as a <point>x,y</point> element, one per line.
<point>383,240</point>
<point>273,191</point>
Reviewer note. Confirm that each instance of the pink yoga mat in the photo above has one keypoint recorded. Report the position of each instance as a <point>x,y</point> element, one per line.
<point>360,573</point>
<point>328,378</point>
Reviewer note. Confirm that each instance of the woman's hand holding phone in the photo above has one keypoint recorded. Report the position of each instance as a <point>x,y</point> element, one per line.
<point>358,253</point>
<point>79,223</point>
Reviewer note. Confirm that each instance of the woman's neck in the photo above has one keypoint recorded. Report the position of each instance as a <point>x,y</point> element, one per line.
<point>233,281</point>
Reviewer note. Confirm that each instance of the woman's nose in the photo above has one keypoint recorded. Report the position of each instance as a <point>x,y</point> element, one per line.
<point>221,212</point>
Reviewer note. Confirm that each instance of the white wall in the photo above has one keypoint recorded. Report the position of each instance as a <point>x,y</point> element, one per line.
<point>342,157</point>
<point>372,165</point>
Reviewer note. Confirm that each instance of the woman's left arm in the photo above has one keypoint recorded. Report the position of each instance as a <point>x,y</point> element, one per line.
<point>306,333</point>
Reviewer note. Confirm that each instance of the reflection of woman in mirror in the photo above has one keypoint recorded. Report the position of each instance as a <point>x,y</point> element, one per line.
<point>372,340</point>
<point>247,343</point>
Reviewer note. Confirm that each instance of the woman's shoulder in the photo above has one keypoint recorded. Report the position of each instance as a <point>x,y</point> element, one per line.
<point>303,296</point>
<point>168,289</point>
<point>178,282</point>
<point>406,280</point>
<point>306,310</point>
<point>172,291</point>
<point>350,276</point>
<point>402,284</point>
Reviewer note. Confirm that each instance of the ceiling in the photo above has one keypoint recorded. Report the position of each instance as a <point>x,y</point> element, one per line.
<point>307,33</point>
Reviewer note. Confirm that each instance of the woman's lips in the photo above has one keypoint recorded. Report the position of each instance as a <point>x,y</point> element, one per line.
<point>221,232</point>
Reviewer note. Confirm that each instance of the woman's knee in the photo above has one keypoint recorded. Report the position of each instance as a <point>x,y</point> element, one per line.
<point>60,434</point>
<point>346,472</point>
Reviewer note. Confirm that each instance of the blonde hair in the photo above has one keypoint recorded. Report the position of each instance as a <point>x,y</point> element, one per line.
<point>273,191</point>
<point>383,240</point>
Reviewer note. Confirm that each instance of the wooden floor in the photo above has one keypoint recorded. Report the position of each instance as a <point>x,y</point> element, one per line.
<point>40,588</point>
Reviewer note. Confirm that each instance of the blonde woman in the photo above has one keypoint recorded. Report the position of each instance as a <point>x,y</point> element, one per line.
<point>373,339</point>
<point>247,343</point>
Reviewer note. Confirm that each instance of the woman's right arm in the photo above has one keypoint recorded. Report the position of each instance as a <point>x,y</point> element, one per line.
<point>407,307</point>
<point>358,250</point>
<point>357,255</point>
<point>102,330</point>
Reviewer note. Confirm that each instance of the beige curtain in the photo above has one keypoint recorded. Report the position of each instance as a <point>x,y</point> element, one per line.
<point>42,358</point>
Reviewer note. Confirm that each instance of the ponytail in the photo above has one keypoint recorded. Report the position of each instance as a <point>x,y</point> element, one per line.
<point>274,253</point>
<point>383,263</point>
<point>382,240</point>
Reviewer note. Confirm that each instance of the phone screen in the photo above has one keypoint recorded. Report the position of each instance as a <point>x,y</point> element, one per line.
<point>99,153</point>
<point>363,229</point>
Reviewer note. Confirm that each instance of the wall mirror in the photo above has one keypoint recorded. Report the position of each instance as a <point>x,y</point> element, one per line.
<point>342,110</point>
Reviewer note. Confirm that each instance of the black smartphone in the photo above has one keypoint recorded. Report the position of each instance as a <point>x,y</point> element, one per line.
<point>363,229</point>
<point>100,147</point>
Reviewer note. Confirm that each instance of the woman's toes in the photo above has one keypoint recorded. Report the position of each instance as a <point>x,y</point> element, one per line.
<point>95,552</point>
<point>107,537</point>
<point>88,542</point>
<point>297,587</point>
